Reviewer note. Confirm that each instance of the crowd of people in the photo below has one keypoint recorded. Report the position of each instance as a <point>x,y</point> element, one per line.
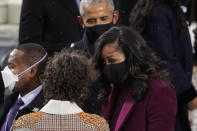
<point>88,65</point>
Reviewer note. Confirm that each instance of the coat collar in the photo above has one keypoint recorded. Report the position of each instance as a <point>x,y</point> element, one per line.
<point>89,47</point>
<point>108,105</point>
<point>37,103</point>
<point>127,108</point>
<point>29,97</point>
<point>61,107</point>
<point>84,45</point>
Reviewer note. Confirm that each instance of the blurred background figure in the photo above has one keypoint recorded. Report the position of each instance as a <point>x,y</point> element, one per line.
<point>124,7</point>
<point>66,80</point>
<point>51,23</point>
<point>162,23</point>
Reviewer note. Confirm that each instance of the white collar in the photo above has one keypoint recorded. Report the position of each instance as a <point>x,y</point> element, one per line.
<point>61,107</point>
<point>28,98</point>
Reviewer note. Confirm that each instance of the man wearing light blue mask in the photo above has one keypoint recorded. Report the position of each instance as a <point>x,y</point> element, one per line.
<point>22,76</point>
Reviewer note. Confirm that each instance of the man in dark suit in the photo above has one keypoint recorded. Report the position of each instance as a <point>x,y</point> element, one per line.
<point>51,23</point>
<point>25,64</point>
<point>96,18</point>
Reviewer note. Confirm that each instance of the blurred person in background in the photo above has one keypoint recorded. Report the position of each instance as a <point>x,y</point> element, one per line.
<point>50,23</point>
<point>163,26</point>
<point>124,7</point>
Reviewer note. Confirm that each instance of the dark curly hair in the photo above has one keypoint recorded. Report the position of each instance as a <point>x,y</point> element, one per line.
<point>142,62</point>
<point>142,9</point>
<point>67,76</point>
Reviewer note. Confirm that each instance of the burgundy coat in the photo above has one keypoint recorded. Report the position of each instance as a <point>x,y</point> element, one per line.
<point>157,112</point>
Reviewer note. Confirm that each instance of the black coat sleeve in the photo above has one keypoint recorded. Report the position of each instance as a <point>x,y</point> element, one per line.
<point>31,21</point>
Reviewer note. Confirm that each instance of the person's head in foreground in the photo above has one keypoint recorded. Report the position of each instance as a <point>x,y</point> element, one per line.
<point>132,76</point>
<point>66,80</point>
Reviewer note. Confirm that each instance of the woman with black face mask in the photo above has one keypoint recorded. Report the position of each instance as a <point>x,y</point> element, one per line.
<point>136,87</point>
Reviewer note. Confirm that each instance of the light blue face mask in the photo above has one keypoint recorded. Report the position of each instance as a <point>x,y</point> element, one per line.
<point>38,62</point>
<point>10,79</point>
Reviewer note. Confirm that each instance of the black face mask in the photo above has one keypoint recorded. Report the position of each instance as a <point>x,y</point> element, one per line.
<point>114,73</point>
<point>94,32</point>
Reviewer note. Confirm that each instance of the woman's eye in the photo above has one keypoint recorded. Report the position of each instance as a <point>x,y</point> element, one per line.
<point>111,60</point>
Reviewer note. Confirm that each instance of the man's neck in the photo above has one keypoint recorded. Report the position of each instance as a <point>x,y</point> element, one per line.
<point>29,89</point>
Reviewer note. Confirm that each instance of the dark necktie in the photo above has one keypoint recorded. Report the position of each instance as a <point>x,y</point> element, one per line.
<point>11,115</point>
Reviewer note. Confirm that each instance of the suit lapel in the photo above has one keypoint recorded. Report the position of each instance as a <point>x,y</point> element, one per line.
<point>34,106</point>
<point>88,46</point>
<point>107,107</point>
<point>38,102</point>
<point>125,111</point>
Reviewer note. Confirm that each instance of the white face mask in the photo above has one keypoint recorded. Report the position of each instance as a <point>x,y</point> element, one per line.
<point>10,79</point>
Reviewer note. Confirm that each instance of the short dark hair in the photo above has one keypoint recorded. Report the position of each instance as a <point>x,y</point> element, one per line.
<point>67,76</point>
<point>142,63</point>
<point>32,54</point>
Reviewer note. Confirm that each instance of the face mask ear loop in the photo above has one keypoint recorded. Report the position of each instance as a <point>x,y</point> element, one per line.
<point>22,73</point>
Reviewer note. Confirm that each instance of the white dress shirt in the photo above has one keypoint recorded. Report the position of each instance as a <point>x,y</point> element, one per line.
<point>28,98</point>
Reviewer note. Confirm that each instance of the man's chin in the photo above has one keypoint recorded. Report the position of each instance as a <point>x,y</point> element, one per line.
<point>15,90</point>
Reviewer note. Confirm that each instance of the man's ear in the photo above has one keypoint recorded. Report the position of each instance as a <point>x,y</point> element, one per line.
<point>33,72</point>
<point>115,16</point>
<point>80,20</point>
